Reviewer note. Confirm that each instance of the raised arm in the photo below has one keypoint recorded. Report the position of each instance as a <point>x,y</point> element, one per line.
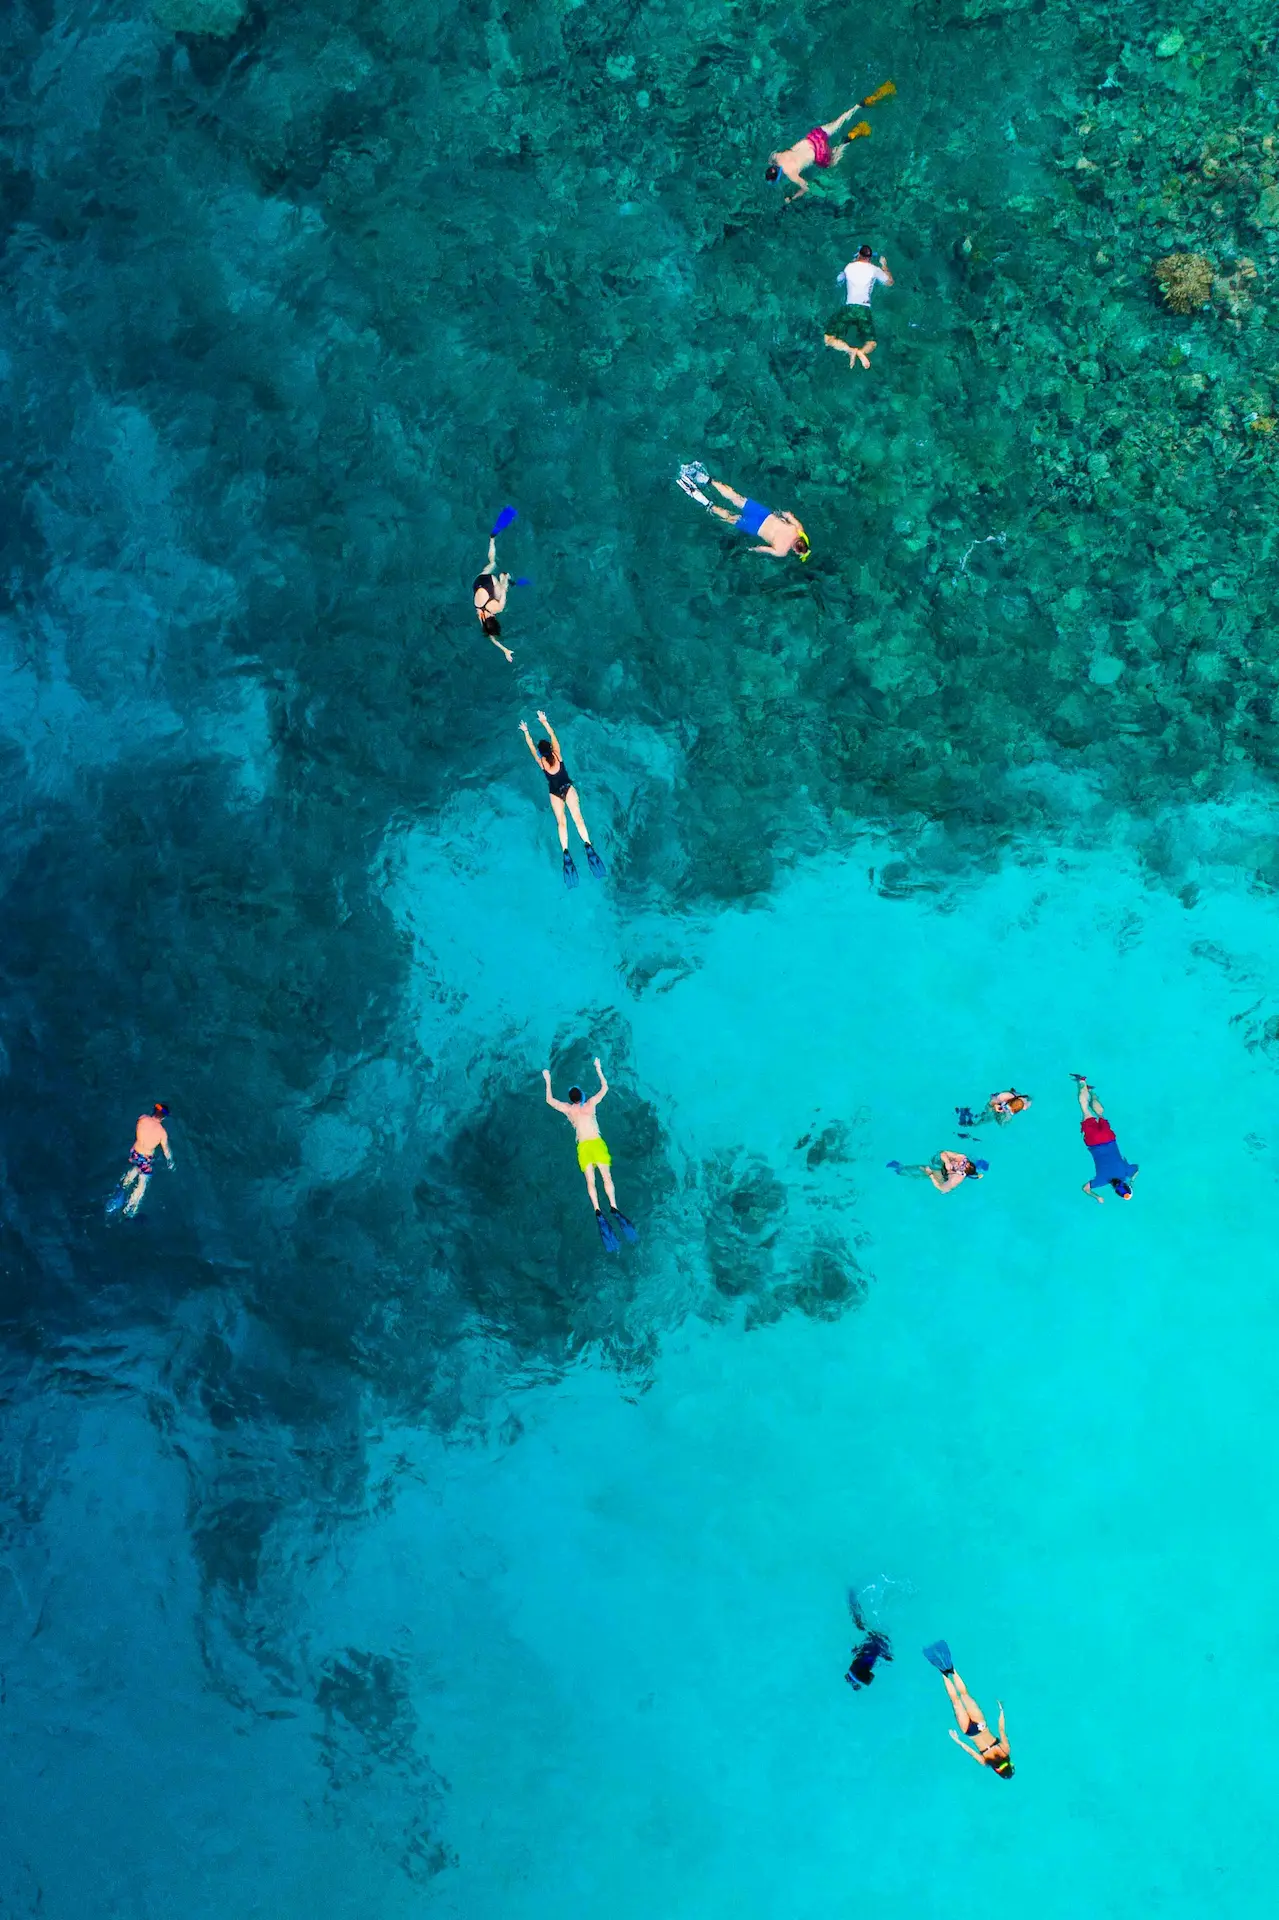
<point>1003,1736</point>
<point>528,741</point>
<point>550,734</point>
<point>603,1082</point>
<point>560,1106</point>
<point>888,278</point>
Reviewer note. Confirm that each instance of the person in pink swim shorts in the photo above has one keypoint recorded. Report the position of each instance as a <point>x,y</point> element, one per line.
<point>815,149</point>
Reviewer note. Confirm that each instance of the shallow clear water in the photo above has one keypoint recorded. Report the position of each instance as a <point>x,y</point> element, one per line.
<point>373,1543</point>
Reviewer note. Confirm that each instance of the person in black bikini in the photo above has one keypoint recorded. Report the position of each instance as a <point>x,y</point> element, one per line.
<point>488,590</point>
<point>986,1750</point>
<point>564,799</point>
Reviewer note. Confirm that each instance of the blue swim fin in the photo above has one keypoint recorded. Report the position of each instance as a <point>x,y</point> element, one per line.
<point>570,871</point>
<point>606,1233</point>
<point>894,1166</point>
<point>503,520</point>
<point>594,862</point>
<point>939,1654</point>
<point>627,1229</point>
<point>116,1201</point>
<point>523,581</point>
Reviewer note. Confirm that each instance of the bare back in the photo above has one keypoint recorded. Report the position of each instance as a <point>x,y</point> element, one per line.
<point>150,1135</point>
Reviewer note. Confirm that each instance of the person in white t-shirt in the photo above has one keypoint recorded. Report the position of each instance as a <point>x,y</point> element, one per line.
<point>853,318</point>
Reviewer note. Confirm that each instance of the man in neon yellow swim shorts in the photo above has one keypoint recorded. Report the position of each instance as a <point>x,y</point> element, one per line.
<point>592,1152</point>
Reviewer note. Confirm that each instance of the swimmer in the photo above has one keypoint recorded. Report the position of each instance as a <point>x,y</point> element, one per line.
<point>875,1646</point>
<point>815,150</point>
<point>488,590</point>
<point>778,533</point>
<point>1002,1107</point>
<point>858,278</point>
<point>148,1139</point>
<point>1110,1169</point>
<point>954,1170</point>
<point>592,1152</point>
<point>990,1752</point>
<point>563,796</point>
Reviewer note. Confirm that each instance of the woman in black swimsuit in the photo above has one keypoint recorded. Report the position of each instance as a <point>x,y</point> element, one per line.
<point>488,590</point>
<point>564,799</point>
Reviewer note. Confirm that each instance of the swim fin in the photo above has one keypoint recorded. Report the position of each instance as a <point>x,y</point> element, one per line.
<point>606,1233</point>
<point>894,1166</point>
<point>858,132</point>
<point>939,1654</point>
<point>503,520</point>
<point>115,1202</point>
<point>594,862</point>
<point>570,871</point>
<point>881,93</point>
<point>627,1229</point>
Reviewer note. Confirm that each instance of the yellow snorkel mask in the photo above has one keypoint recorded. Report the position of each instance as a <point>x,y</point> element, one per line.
<point>802,547</point>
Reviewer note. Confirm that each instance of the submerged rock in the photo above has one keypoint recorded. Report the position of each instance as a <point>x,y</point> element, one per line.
<point>1186,279</point>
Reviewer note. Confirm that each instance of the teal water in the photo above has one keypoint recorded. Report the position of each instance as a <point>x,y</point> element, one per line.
<point>372,1543</point>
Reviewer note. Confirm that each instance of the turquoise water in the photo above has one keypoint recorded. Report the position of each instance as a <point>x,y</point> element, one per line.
<point>372,1542</point>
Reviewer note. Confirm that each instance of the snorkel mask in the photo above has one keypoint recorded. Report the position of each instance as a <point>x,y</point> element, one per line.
<point>802,547</point>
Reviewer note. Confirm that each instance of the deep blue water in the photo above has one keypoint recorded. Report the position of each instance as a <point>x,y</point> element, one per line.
<point>373,1543</point>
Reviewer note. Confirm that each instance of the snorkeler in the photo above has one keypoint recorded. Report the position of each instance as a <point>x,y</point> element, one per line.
<point>859,279</point>
<point>149,1138</point>
<point>778,533</point>
<point>564,799</point>
<point>488,590</point>
<point>955,1168</point>
<point>875,1646</point>
<point>990,1752</point>
<point>592,1152</point>
<point>815,149</point>
<point>1001,1108</point>
<point>1110,1169</point>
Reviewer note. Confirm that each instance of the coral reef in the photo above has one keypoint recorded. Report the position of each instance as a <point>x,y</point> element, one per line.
<point>1186,280</point>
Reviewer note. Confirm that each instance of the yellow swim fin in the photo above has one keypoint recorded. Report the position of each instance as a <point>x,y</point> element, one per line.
<point>855,133</point>
<point>881,93</point>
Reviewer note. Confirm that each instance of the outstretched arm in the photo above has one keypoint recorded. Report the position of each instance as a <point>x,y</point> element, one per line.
<point>964,1748</point>
<point>1003,1736</point>
<point>550,734</point>
<point>528,741</point>
<point>559,1105</point>
<point>888,278</point>
<point>603,1082</point>
<point>1087,1188</point>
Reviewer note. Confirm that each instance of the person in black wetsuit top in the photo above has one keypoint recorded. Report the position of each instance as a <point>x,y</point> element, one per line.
<point>488,590</point>
<point>564,799</point>
<point>875,1646</point>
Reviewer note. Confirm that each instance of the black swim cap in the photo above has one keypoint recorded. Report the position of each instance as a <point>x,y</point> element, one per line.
<point>771,173</point>
<point>574,1094</point>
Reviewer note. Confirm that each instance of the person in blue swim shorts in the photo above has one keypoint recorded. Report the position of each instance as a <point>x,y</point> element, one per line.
<point>1110,1169</point>
<point>777,533</point>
